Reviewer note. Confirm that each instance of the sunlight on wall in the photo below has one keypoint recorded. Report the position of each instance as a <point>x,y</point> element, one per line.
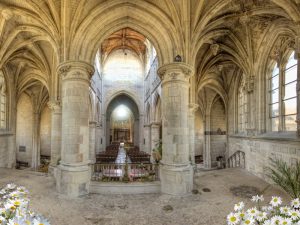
<point>123,67</point>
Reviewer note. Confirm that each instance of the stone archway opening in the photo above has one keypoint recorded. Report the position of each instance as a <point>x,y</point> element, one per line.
<point>122,124</point>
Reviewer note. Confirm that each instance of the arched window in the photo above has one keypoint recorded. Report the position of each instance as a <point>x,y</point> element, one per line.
<point>289,95</point>
<point>283,96</point>
<point>242,108</point>
<point>274,98</point>
<point>2,102</point>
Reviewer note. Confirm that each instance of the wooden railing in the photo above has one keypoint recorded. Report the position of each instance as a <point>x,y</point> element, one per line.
<point>125,172</point>
<point>237,159</point>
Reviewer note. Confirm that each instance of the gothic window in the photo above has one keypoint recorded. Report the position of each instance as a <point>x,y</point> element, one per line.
<point>283,97</point>
<point>2,101</point>
<point>242,108</point>
<point>289,95</point>
<point>274,98</point>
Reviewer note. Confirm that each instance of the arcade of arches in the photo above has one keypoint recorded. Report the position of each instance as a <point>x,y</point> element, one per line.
<point>207,77</point>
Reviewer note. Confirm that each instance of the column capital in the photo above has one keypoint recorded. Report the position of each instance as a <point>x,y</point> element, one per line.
<point>6,14</point>
<point>77,70</point>
<point>155,124</point>
<point>175,71</point>
<point>54,106</point>
<point>92,123</point>
<point>193,107</point>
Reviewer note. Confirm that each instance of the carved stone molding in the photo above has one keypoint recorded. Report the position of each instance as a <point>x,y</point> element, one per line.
<point>193,107</point>
<point>54,106</point>
<point>6,14</point>
<point>175,71</point>
<point>215,48</point>
<point>75,70</point>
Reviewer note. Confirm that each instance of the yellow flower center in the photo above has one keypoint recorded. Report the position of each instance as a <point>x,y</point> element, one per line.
<point>247,222</point>
<point>232,219</point>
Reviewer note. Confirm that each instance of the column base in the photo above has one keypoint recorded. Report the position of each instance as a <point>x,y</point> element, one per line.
<point>73,181</point>
<point>176,179</point>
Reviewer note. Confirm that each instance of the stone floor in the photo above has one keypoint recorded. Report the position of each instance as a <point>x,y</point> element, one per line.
<point>217,192</point>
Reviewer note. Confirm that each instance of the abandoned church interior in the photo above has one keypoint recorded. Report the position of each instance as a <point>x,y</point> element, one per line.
<point>147,98</point>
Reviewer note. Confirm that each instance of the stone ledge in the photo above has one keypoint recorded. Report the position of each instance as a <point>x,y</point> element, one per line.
<point>125,188</point>
<point>268,137</point>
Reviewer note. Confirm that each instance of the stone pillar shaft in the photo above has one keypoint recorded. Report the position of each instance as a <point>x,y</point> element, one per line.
<point>176,170</point>
<point>35,141</point>
<point>207,154</point>
<point>55,132</point>
<point>192,109</point>
<point>92,144</point>
<point>147,136</point>
<point>297,56</point>
<point>154,134</point>
<point>73,176</point>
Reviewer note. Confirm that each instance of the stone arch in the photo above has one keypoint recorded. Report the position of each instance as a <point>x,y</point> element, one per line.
<point>117,16</point>
<point>123,99</point>
<point>123,92</point>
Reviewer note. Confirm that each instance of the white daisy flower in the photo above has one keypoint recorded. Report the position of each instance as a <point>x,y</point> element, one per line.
<point>285,210</point>
<point>11,186</point>
<point>252,212</point>
<point>261,216</point>
<point>239,206</point>
<point>295,203</point>
<point>267,208</point>
<point>275,220</point>
<point>233,219</point>
<point>2,220</point>
<point>294,214</point>
<point>285,221</point>
<point>248,221</point>
<point>40,221</point>
<point>241,214</point>
<point>276,201</point>
<point>267,222</point>
<point>257,198</point>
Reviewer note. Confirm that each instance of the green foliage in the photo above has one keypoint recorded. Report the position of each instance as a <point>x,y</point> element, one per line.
<point>287,177</point>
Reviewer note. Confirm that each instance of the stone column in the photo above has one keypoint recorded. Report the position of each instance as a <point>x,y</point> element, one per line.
<point>141,136</point>
<point>176,172</point>
<point>192,109</point>
<point>154,134</point>
<point>92,144</point>
<point>99,136</point>
<point>73,175</point>
<point>55,132</point>
<point>147,137</point>
<point>36,141</point>
<point>207,155</point>
<point>297,56</point>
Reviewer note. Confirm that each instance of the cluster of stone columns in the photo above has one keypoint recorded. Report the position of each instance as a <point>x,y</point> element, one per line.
<point>73,136</point>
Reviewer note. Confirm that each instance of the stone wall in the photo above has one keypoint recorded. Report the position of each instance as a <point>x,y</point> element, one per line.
<point>258,151</point>
<point>218,131</point>
<point>199,133</point>
<point>24,129</point>
<point>45,132</point>
<point>7,150</point>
